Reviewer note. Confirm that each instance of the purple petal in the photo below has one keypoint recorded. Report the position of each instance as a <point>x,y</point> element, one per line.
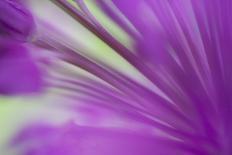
<point>15,20</point>
<point>19,74</point>
<point>71,139</point>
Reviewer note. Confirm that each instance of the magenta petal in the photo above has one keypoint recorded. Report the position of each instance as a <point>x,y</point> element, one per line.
<point>18,72</point>
<point>71,139</point>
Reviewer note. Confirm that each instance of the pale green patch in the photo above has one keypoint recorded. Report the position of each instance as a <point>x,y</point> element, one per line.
<point>18,112</point>
<point>72,2</point>
<point>114,29</point>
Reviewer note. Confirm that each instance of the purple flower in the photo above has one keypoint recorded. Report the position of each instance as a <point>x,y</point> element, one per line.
<point>183,47</point>
<point>19,74</point>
